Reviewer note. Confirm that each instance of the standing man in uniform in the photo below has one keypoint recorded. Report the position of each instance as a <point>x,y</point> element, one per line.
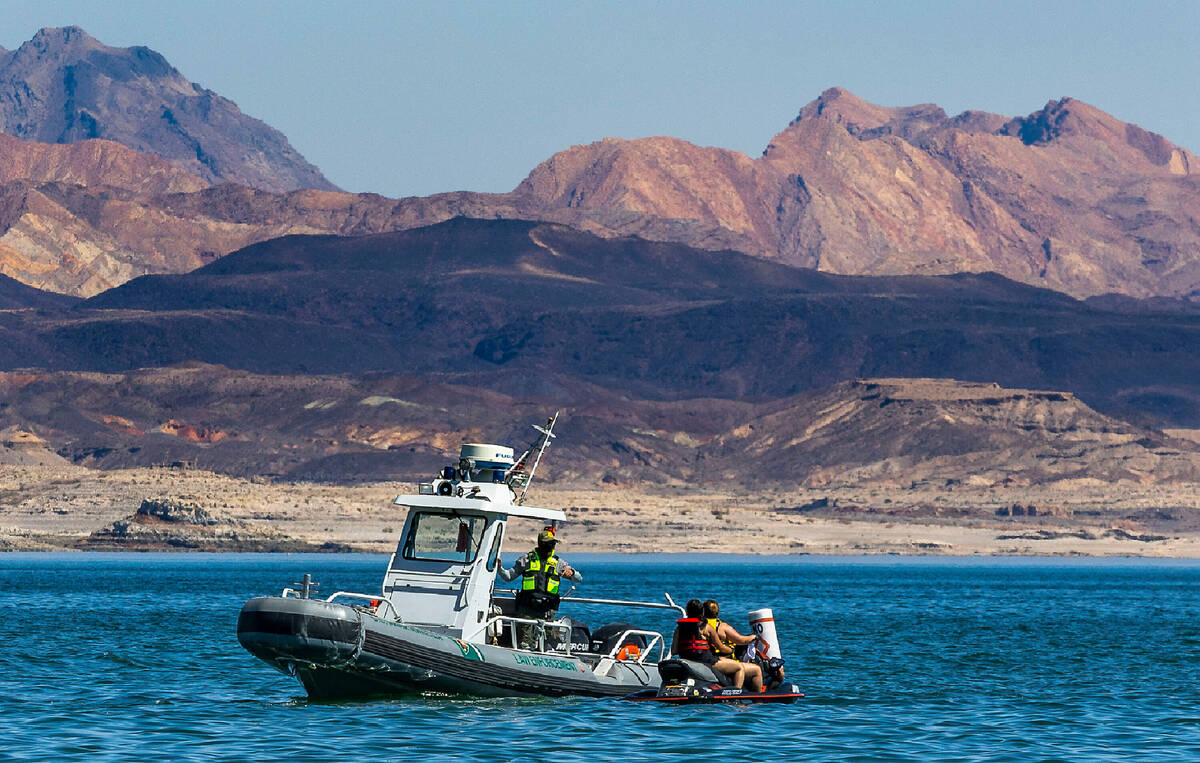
<point>540,571</point>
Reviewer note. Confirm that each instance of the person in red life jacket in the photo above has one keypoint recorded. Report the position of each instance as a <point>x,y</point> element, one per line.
<point>696,640</point>
<point>730,641</point>
<point>541,572</point>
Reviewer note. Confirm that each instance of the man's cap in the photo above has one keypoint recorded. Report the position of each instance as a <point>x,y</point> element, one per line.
<point>546,538</point>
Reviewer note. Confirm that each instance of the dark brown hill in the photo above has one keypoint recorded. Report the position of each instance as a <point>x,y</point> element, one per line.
<point>888,432</point>
<point>63,86</point>
<point>15,295</point>
<point>509,304</point>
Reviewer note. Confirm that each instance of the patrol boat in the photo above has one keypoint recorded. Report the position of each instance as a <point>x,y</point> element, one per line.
<point>438,625</point>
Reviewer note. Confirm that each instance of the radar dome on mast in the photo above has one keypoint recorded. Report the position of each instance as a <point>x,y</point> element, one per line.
<point>483,453</point>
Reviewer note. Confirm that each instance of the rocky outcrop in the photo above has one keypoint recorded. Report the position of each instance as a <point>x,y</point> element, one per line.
<point>170,525</point>
<point>167,511</point>
<point>63,86</point>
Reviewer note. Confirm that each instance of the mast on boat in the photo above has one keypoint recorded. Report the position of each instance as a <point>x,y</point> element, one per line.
<point>515,475</point>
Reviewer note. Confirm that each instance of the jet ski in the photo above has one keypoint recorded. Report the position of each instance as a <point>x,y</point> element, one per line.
<point>690,682</point>
<point>686,682</point>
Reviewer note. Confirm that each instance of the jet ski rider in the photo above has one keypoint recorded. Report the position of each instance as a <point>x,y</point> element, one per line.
<point>696,640</point>
<point>730,640</point>
<point>540,571</point>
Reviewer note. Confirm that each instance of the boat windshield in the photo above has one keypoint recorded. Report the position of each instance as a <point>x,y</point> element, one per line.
<point>438,537</point>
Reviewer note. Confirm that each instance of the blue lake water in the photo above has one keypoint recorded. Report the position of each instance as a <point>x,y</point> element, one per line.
<point>135,656</point>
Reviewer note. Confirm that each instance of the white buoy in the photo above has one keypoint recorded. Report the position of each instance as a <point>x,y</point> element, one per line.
<point>762,624</point>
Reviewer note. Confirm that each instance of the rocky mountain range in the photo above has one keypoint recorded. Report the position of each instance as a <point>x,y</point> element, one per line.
<point>699,314</point>
<point>64,86</point>
<point>1068,197</point>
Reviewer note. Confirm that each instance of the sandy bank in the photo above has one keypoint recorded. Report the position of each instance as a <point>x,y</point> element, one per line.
<point>55,507</point>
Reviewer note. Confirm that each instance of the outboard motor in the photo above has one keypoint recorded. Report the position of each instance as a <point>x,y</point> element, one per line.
<point>605,639</point>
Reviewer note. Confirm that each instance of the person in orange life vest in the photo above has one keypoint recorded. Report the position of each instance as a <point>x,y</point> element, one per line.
<point>730,640</point>
<point>696,640</point>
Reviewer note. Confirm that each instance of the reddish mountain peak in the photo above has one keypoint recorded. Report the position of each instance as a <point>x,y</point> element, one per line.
<point>610,168</point>
<point>865,120</point>
<point>844,108</point>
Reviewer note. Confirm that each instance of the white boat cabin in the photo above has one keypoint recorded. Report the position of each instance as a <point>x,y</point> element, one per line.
<point>443,572</point>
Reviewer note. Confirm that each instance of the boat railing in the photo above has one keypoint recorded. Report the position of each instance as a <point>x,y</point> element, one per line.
<point>539,630</point>
<point>653,638</point>
<point>621,603</point>
<point>376,603</point>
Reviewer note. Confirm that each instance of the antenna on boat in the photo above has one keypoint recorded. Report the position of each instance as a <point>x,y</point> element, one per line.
<point>516,476</point>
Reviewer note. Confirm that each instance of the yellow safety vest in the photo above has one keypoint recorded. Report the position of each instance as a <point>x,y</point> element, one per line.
<point>541,577</point>
<point>715,622</point>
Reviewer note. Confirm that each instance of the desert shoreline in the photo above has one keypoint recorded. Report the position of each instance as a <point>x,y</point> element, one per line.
<point>56,508</point>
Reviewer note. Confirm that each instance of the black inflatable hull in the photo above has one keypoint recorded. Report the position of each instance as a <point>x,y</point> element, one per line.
<point>285,631</point>
<point>337,652</point>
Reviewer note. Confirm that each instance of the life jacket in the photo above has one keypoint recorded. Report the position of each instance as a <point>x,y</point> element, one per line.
<point>629,652</point>
<point>692,643</point>
<point>715,622</point>
<point>539,584</point>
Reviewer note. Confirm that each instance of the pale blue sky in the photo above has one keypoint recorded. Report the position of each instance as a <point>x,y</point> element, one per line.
<point>406,98</point>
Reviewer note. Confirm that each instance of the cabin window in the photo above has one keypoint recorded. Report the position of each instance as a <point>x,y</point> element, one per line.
<point>444,538</point>
<point>494,554</point>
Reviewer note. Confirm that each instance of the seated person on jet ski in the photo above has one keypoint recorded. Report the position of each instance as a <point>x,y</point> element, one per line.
<point>696,640</point>
<point>731,640</point>
<point>540,571</point>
